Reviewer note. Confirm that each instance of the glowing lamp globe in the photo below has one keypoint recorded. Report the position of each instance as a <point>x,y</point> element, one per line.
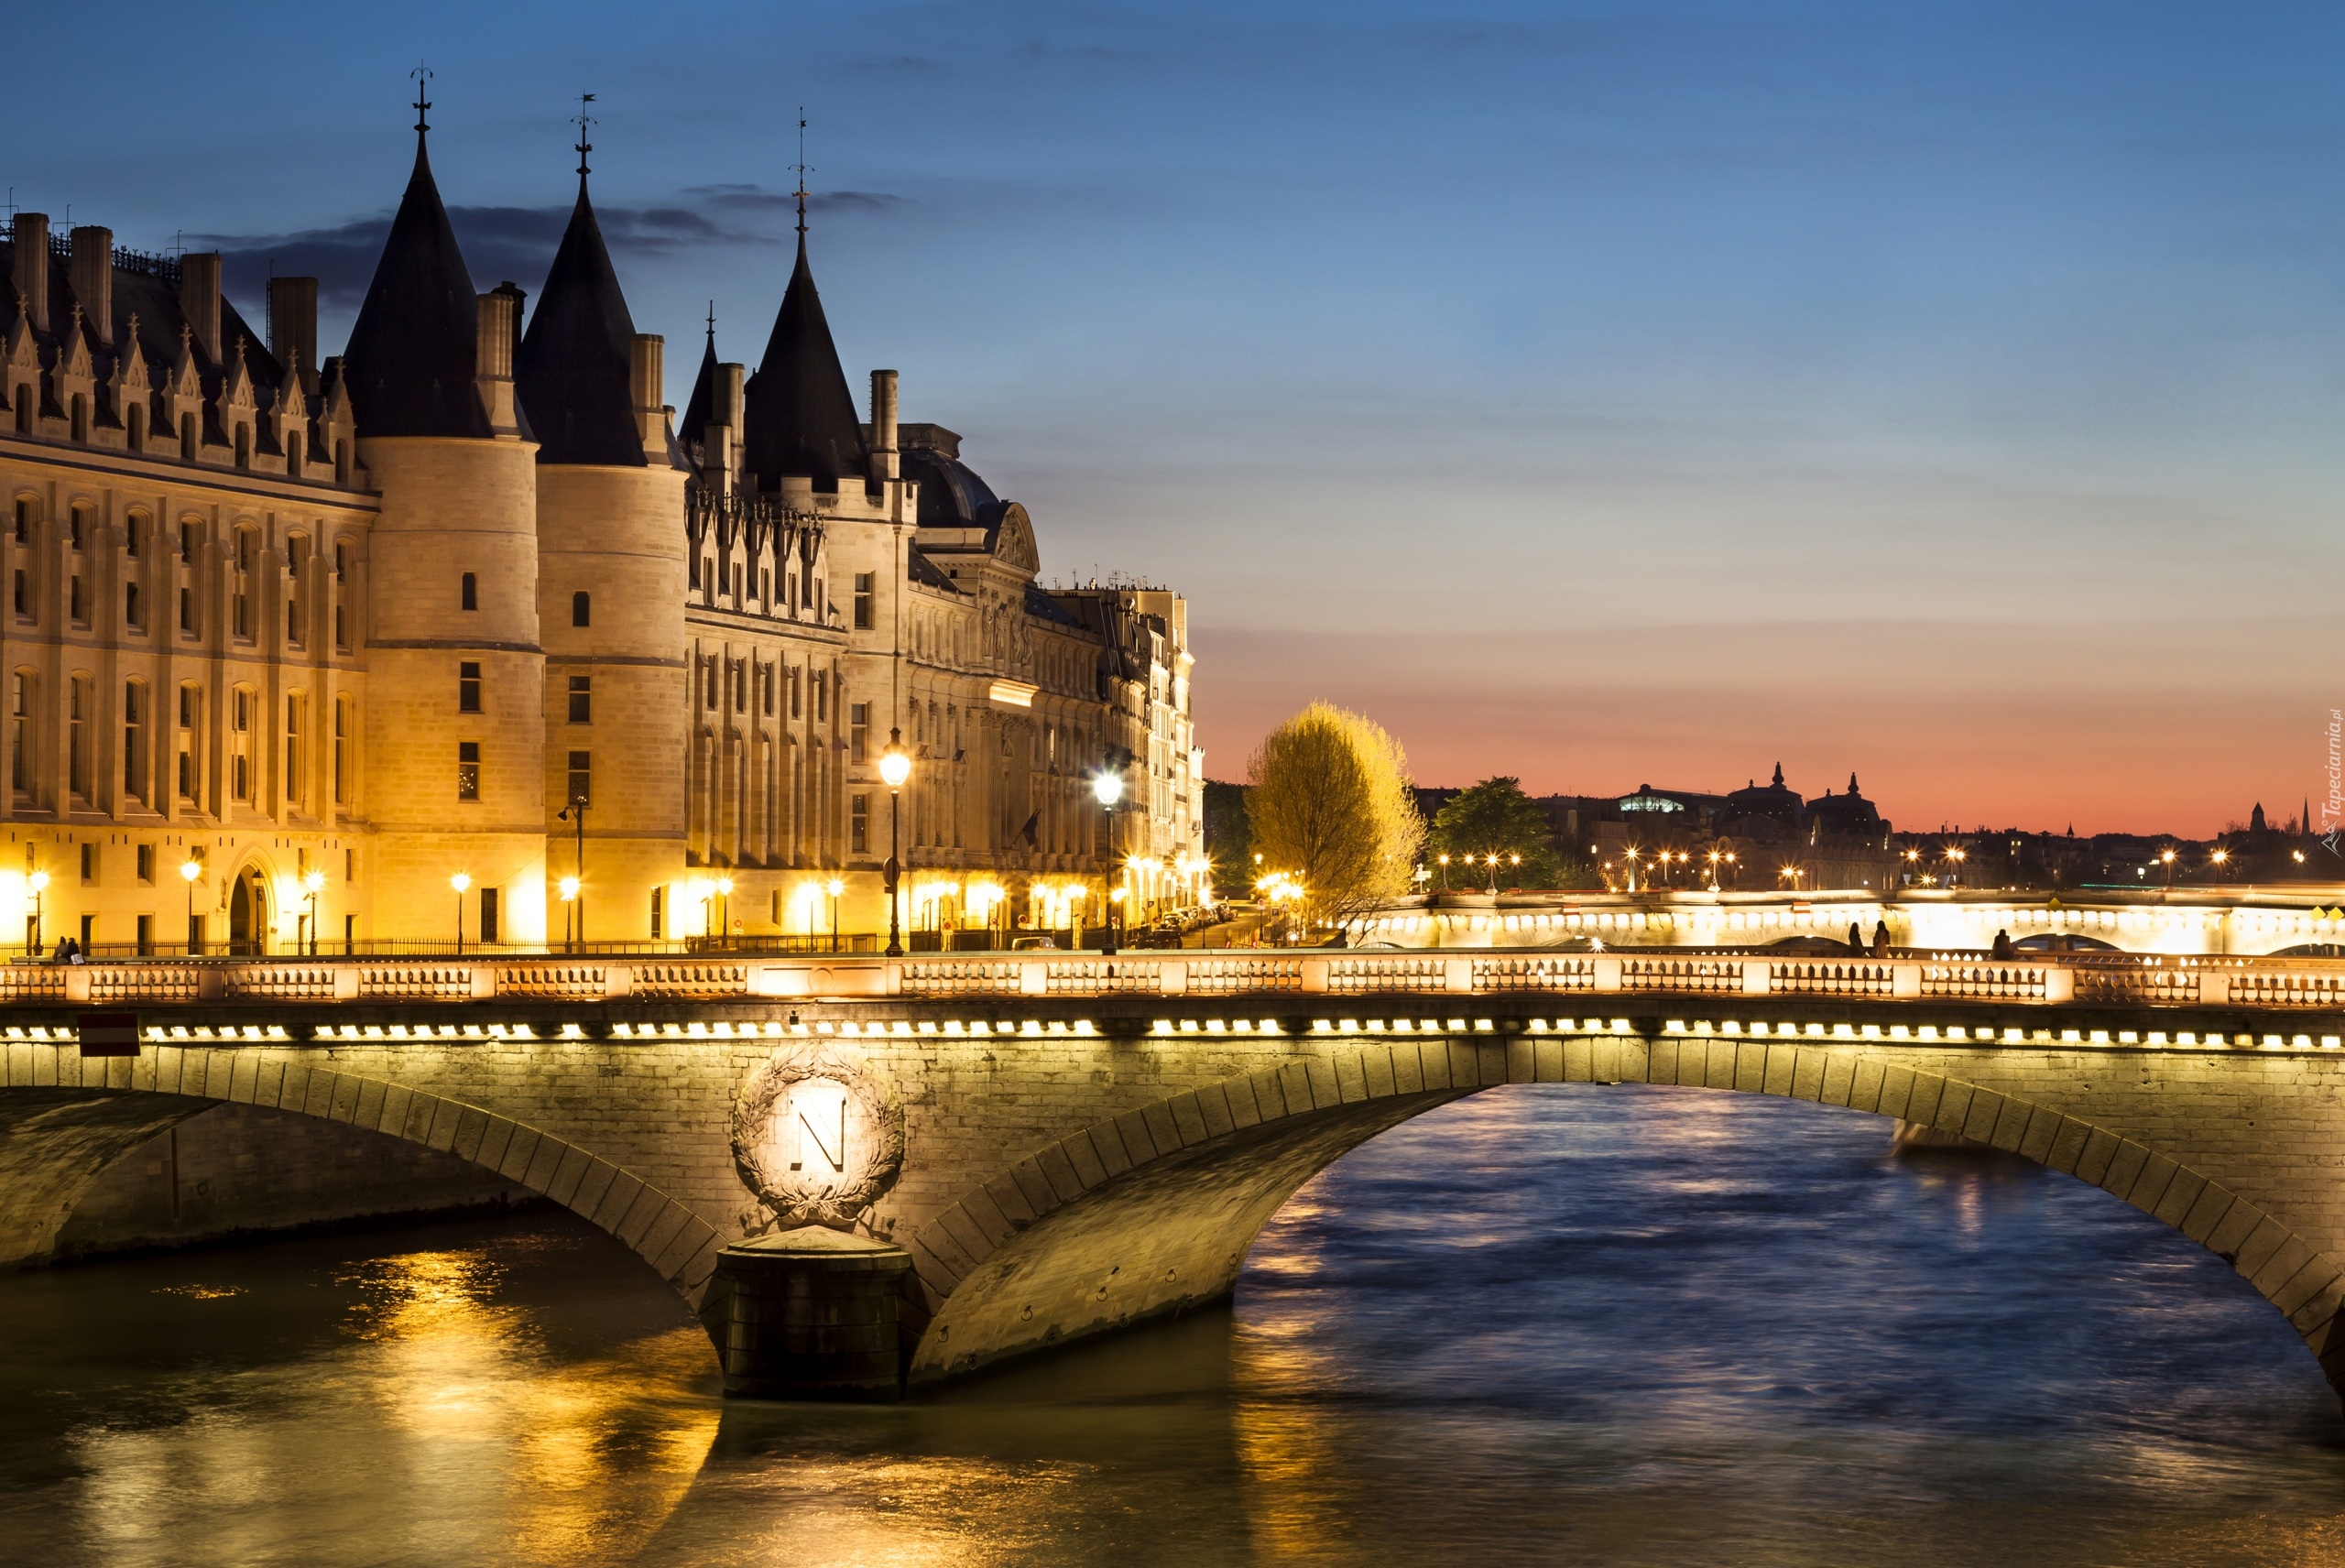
<point>1109,787</point>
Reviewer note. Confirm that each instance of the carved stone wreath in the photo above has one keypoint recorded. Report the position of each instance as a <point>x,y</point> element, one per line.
<point>873,1160</point>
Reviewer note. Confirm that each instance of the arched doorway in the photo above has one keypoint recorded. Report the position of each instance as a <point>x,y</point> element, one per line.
<point>248,921</point>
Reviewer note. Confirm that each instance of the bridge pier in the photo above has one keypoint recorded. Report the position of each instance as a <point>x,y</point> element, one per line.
<point>811,1313</point>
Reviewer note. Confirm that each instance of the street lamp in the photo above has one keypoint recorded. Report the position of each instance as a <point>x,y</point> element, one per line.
<point>36,881</point>
<point>1444,870</point>
<point>2167,856</point>
<point>1631,857</point>
<point>1109,787</point>
<point>313,879</point>
<point>189,869</point>
<point>460,882</point>
<point>895,766</point>
<point>569,910</point>
<point>724,909</point>
<point>575,814</point>
<point>2220,857</point>
<point>834,886</point>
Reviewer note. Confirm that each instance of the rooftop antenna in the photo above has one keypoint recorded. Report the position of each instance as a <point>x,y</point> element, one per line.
<point>582,120</point>
<point>803,169</point>
<point>12,207</point>
<point>421,77</point>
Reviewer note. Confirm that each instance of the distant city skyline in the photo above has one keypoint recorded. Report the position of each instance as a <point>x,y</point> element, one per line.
<point>1591,397</point>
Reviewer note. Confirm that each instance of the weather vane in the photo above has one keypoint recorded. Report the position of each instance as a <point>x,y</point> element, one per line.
<point>803,169</point>
<point>421,77</point>
<point>582,120</point>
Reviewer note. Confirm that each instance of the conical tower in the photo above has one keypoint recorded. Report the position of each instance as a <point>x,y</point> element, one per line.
<point>455,748</point>
<point>800,417</point>
<point>610,506</point>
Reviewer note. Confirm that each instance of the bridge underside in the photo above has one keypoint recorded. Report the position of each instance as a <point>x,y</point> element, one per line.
<point>54,1143</point>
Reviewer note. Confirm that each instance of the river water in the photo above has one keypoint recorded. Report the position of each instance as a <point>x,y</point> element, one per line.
<point>1557,1323</point>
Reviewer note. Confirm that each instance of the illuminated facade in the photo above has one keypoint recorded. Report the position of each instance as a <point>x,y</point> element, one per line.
<point>296,647</point>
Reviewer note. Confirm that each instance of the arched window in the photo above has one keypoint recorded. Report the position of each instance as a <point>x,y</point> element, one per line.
<point>582,608</point>
<point>471,592</point>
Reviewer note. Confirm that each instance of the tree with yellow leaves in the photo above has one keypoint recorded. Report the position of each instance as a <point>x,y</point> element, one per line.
<point>1329,803</point>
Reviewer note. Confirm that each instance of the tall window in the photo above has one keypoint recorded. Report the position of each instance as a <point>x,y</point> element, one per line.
<point>472,592</point>
<point>73,605</point>
<point>822,697</point>
<point>77,737</point>
<point>467,687</point>
<point>293,553</point>
<point>863,601</point>
<point>296,777</point>
<point>240,608</point>
<point>76,519</point>
<point>582,778</point>
<point>581,609</point>
<point>341,593</point>
<point>341,751</point>
<point>468,771</point>
<point>765,689</point>
<point>135,535</point>
<point>240,726</point>
<point>488,902</point>
<point>133,740</point>
<point>858,729</point>
<point>795,706</point>
<point>24,522</point>
<point>134,613</point>
<point>190,700</point>
<point>20,733</point>
<point>187,438</point>
<point>708,683</point>
<point>858,828</point>
<point>582,699</point>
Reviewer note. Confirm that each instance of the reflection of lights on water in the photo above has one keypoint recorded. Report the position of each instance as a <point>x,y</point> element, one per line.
<point>441,1426</point>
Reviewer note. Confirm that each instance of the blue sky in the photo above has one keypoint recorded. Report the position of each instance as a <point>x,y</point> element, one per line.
<point>1601,394</point>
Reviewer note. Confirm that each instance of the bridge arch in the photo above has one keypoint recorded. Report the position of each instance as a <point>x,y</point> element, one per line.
<point>65,1118</point>
<point>1153,1212</point>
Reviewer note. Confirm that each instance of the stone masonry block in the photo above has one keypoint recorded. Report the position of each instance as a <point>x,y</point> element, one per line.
<point>1923,1097</point>
<point>564,1184</point>
<point>1009,1200</point>
<point>519,1151</point>
<point>2206,1211</point>
<point>2262,1244</point>
<point>1375,1073</point>
<point>1245,1111</point>
<point>2231,1232</point>
<point>1320,1074</point>
<point>592,1183</point>
<point>1213,1104</point>
<point>2124,1168</point>
<point>1138,1142</point>
<point>1188,1120</point>
<point>610,1210</point>
<point>1750,1066</point>
<point>1034,1187</point>
<point>1522,1063</point>
<point>1108,1143</point>
<point>1839,1079</point>
<point>1082,1159</point>
<point>1781,1072</point>
<point>2011,1123</point>
<point>472,1122</point>
<point>2100,1150</point>
<point>1982,1116</point>
<point>2149,1188</point>
<point>1162,1128</point>
<point>1294,1087</point>
<point>2066,1145</point>
<point>1866,1084</point>
<point>1408,1068</point>
<point>1052,1163</point>
<point>2316,1316</point>
<point>2316,1278</point>
<point>1666,1056</point>
<point>2281,1267</point>
<point>992,1224</point>
<point>2180,1197</point>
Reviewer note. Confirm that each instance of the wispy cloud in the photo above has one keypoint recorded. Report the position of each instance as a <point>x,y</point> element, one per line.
<point>518,242</point>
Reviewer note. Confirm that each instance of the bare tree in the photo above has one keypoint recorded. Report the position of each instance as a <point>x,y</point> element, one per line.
<point>1330,806</point>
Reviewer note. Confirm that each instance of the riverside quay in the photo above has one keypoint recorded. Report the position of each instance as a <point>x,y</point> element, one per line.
<point>866,1174</point>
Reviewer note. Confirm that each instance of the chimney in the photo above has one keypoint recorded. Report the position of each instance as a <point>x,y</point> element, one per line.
<point>883,425</point>
<point>493,363</point>
<point>293,327</point>
<point>728,400</point>
<point>93,278</point>
<point>200,299</point>
<point>32,238</point>
<point>645,357</point>
<point>520,298</point>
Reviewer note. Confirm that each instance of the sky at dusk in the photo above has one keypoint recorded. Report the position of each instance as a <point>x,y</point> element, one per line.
<point>1602,394</point>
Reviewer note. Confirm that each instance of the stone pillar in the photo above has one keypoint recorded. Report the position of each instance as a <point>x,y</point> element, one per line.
<point>29,236</point>
<point>200,299</point>
<point>811,1313</point>
<point>92,276</point>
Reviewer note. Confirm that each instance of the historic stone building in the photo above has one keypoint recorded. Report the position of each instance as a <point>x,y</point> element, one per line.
<point>389,646</point>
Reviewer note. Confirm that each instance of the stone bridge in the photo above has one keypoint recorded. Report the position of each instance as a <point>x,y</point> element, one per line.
<point>1019,1151</point>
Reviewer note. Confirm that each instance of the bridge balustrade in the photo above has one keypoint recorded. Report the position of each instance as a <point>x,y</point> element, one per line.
<point>1997,981</point>
<point>415,982</point>
<point>279,981</point>
<point>1828,979</point>
<point>1243,976</point>
<point>554,982</point>
<point>690,982</point>
<point>1364,976</point>
<point>1103,976</point>
<point>964,978</point>
<point>1533,974</point>
<point>1681,975</point>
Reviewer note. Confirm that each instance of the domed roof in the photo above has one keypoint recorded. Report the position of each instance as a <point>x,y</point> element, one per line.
<point>951,494</point>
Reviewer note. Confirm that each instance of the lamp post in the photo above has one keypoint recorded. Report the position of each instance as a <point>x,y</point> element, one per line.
<point>834,886</point>
<point>1108,788</point>
<point>460,882</point>
<point>189,869</point>
<point>36,882</point>
<point>2167,856</point>
<point>895,766</point>
<point>575,814</point>
<point>2220,857</point>
<point>569,908</point>
<point>725,908</point>
<point>313,879</point>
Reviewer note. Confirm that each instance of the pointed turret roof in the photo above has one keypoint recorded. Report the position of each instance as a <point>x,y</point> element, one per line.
<point>411,361</point>
<point>702,404</point>
<point>800,417</point>
<point>572,371</point>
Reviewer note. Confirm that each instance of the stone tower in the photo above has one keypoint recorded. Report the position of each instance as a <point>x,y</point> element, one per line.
<point>610,505</point>
<point>455,728</point>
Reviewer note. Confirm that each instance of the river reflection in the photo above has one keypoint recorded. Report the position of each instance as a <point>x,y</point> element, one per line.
<point>1546,1324</point>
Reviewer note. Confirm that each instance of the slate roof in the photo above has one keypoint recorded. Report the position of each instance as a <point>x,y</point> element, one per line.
<point>702,405</point>
<point>571,371</point>
<point>800,418</point>
<point>411,358</point>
